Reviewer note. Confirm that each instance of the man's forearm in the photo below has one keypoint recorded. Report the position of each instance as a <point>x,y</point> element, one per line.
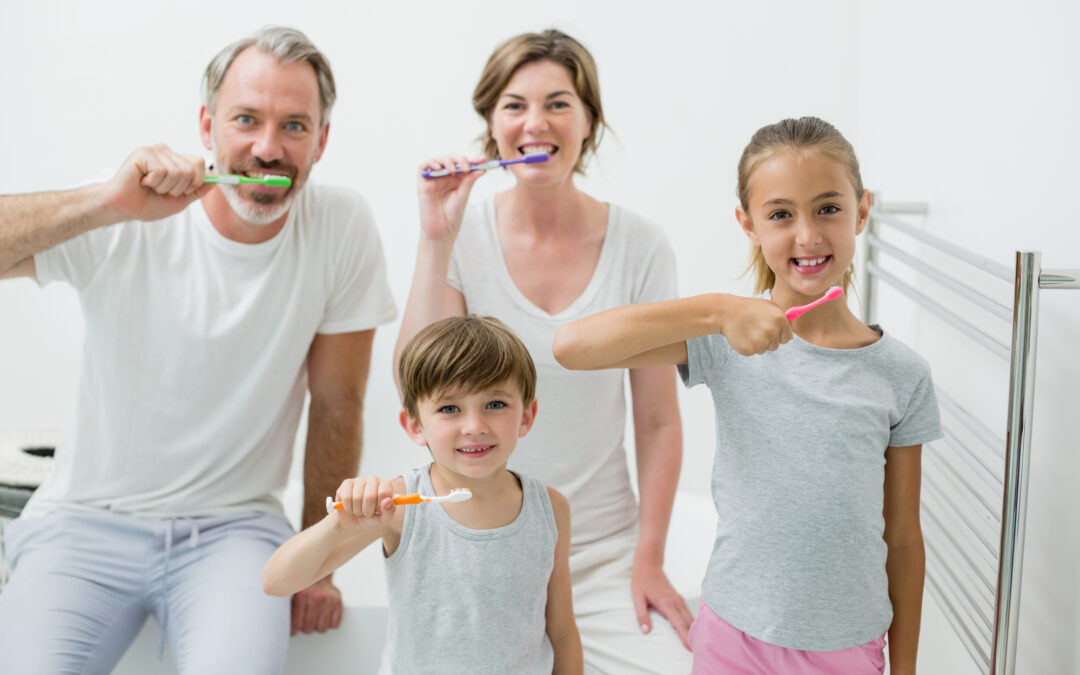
<point>32,223</point>
<point>334,441</point>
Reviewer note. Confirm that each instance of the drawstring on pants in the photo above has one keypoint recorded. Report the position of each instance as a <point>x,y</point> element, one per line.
<point>193,541</point>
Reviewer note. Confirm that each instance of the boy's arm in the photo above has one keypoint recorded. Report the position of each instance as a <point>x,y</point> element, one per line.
<point>654,334</point>
<point>322,548</point>
<point>906,562</point>
<point>561,627</point>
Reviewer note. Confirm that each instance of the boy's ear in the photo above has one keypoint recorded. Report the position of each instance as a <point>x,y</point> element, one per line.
<point>747,225</point>
<point>413,428</point>
<point>864,211</point>
<point>528,416</point>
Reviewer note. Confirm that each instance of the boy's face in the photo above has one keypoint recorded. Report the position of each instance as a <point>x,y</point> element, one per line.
<point>471,433</point>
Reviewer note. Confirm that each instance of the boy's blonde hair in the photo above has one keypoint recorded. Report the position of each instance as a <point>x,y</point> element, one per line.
<point>463,352</point>
<point>550,45</point>
<point>806,134</point>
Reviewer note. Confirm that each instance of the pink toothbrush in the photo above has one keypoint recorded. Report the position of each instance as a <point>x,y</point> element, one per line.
<point>831,294</point>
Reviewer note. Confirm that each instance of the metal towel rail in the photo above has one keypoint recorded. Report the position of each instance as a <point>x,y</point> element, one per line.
<point>975,553</point>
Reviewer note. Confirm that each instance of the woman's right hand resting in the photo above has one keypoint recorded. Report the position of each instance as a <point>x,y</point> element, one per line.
<point>443,200</point>
<point>368,502</point>
<point>754,326</point>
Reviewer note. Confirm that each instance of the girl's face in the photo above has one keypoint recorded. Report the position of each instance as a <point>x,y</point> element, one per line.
<point>804,214</point>
<point>540,111</point>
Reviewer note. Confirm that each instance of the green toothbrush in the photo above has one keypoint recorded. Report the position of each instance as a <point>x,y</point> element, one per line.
<point>232,179</point>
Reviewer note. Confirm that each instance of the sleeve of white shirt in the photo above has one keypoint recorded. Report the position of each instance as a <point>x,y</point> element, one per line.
<point>656,263</point>
<point>360,298</point>
<point>78,260</point>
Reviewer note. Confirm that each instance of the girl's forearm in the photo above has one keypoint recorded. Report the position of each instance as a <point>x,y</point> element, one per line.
<point>614,336</point>
<point>906,567</point>
<point>569,659</point>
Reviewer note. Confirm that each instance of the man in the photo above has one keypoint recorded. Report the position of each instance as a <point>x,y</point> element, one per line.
<point>209,311</point>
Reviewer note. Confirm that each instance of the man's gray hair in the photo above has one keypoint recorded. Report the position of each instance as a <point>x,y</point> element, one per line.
<point>287,45</point>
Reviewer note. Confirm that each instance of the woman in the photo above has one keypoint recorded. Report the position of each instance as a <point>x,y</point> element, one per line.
<point>537,256</point>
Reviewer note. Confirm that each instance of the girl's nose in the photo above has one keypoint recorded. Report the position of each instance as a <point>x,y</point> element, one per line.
<point>806,233</point>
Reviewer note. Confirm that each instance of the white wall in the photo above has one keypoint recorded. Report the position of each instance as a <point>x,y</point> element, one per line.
<point>980,131</point>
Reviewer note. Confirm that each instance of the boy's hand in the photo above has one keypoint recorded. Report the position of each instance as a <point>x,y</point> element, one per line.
<point>367,501</point>
<point>755,326</point>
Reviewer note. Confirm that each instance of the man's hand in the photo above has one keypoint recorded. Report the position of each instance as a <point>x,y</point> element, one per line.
<point>650,587</point>
<point>316,608</point>
<point>155,183</point>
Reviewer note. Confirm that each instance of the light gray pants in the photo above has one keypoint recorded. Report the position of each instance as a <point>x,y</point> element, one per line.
<point>82,585</point>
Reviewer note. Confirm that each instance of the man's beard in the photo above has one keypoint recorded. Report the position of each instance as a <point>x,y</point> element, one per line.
<point>258,208</point>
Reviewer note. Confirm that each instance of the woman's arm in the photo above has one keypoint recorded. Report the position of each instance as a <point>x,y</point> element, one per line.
<point>442,208</point>
<point>561,628</point>
<point>906,562</point>
<point>653,334</point>
<point>368,514</point>
<point>658,443</point>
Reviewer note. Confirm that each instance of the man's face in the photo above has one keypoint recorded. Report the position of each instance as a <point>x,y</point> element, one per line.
<point>266,121</point>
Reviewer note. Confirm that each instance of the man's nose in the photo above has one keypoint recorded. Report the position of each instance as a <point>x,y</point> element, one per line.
<point>267,146</point>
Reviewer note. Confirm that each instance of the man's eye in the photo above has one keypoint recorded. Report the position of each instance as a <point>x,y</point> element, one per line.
<point>294,126</point>
<point>245,119</point>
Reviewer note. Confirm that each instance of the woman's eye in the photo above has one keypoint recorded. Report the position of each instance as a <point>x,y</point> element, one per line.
<point>448,409</point>
<point>829,210</point>
<point>496,405</point>
<point>559,105</point>
<point>512,106</point>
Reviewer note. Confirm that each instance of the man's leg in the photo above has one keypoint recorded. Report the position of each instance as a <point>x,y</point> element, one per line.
<point>215,614</point>
<point>604,609</point>
<point>73,603</point>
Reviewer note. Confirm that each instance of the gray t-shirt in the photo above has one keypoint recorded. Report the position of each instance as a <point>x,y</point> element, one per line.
<point>798,482</point>
<point>471,601</point>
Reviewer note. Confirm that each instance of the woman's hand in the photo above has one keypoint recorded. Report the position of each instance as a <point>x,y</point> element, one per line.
<point>443,200</point>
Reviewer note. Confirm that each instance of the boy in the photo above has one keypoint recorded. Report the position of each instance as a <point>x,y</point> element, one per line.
<point>479,586</point>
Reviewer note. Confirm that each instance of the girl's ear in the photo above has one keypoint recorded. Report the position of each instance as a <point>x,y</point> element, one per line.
<point>864,211</point>
<point>747,225</point>
<point>412,427</point>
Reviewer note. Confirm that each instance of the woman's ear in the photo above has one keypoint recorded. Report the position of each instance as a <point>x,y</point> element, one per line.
<point>864,211</point>
<point>413,428</point>
<point>747,225</point>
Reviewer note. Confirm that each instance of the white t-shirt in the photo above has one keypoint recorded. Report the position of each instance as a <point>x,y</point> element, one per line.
<point>576,444</point>
<point>194,364</point>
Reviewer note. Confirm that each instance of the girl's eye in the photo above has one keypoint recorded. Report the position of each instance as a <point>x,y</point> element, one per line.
<point>779,215</point>
<point>449,409</point>
<point>829,210</point>
<point>495,405</point>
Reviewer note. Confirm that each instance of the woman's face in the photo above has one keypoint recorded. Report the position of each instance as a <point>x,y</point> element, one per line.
<point>540,111</point>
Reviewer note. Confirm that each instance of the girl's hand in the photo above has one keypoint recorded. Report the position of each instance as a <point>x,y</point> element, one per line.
<point>755,326</point>
<point>443,200</point>
<point>368,501</point>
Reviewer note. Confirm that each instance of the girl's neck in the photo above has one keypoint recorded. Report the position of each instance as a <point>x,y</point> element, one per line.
<point>549,210</point>
<point>831,325</point>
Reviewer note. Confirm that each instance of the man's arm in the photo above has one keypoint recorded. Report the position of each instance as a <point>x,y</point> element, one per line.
<point>337,377</point>
<point>153,183</point>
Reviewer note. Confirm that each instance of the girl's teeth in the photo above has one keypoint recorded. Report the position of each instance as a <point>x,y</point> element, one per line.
<point>809,262</point>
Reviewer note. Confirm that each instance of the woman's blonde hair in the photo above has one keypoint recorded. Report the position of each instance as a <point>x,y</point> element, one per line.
<point>806,134</point>
<point>549,45</point>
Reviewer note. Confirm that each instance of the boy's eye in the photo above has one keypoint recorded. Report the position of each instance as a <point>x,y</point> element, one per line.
<point>829,209</point>
<point>779,215</point>
<point>449,409</point>
<point>495,405</point>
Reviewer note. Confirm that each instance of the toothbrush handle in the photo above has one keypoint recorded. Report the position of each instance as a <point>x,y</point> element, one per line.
<point>483,166</point>
<point>409,499</point>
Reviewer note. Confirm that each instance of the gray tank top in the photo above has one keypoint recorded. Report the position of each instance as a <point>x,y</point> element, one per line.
<point>474,601</point>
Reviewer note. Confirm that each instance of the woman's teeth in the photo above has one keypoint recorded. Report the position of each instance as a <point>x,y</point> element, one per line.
<point>538,149</point>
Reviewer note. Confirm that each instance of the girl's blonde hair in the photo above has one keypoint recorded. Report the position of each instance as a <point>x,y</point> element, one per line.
<point>549,45</point>
<point>806,134</point>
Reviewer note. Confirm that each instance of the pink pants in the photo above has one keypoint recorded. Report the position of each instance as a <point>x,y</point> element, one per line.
<point>722,649</point>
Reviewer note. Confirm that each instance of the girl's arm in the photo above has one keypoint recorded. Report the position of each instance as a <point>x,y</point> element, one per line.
<point>653,334</point>
<point>658,443</point>
<point>906,562</point>
<point>369,514</point>
<point>561,627</point>
<point>442,208</point>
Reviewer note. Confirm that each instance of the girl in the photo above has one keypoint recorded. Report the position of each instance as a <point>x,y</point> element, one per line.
<point>818,548</point>
<point>537,256</point>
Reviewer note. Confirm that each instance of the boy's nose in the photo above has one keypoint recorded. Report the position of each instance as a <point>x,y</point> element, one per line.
<point>474,424</point>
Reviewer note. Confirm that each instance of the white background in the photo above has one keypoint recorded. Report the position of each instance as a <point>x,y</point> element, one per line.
<point>970,107</point>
